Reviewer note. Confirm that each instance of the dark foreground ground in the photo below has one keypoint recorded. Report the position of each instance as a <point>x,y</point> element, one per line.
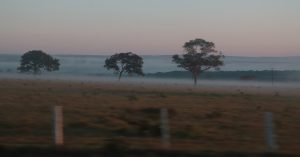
<point>113,150</point>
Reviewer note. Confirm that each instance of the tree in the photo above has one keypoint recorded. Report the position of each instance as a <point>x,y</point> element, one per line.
<point>37,61</point>
<point>121,63</point>
<point>200,56</point>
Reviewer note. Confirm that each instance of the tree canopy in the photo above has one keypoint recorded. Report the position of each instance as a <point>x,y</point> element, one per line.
<point>128,62</point>
<point>37,61</point>
<point>200,56</point>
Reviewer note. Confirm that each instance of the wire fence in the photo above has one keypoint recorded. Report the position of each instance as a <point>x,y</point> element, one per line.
<point>157,128</point>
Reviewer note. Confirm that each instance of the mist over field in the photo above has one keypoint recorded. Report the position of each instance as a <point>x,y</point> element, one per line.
<point>160,70</point>
<point>156,78</point>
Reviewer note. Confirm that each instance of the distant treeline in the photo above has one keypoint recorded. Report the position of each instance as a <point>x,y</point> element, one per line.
<point>266,75</point>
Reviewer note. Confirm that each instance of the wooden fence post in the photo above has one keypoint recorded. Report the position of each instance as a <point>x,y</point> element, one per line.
<point>58,126</point>
<point>164,126</point>
<point>269,132</point>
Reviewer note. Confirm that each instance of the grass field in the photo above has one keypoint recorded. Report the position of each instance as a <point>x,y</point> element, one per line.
<point>227,118</point>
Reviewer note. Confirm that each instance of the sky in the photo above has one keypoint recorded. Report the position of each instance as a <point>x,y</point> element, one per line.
<point>237,27</point>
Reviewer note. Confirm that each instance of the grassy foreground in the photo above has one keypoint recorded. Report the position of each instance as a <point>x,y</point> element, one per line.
<point>218,119</point>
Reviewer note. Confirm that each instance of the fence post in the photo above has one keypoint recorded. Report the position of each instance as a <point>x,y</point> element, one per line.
<point>164,126</point>
<point>269,132</point>
<point>58,126</point>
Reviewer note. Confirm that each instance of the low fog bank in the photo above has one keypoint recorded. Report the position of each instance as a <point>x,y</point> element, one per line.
<point>250,75</point>
<point>150,81</point>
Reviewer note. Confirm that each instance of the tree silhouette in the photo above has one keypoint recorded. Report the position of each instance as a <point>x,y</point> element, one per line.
<point>200,56</point>
<point>37,61</point>
<point>121,63</point>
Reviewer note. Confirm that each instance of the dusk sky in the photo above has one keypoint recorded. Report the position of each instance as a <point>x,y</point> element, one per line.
<point>237,27</point>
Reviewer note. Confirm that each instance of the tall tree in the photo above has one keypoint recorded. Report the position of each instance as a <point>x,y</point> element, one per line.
<point>200,56</point>
<point>128,62</point>
<point>37,61</point>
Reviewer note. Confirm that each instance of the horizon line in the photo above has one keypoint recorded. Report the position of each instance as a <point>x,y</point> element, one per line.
<point>91,54</point>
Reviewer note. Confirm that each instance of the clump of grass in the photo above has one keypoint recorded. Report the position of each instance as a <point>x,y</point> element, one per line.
<point>95,92</point>
<point>126,131</point>
<point>5,125</point>
<point>276,94</point>
<point>213,115</point>
<point>144,123</point>
<point>172,112</point>
<point>186,132</point>
<point>132,97</point>
<point>79,124</point>
<point>50,89</point>
<point>140,128</point>
<point>114,147</point>
<point>148,128</point>
<point>214,94</point>
<point>240,92</point>
<point>162,95</point>
<point>150,110</point>
<point>258,107</point>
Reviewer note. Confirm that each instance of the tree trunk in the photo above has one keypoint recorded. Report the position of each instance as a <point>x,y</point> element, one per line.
<point>195,76</point>
<point>196,71</point>
<point>35,72</point>
<point>120,74</point>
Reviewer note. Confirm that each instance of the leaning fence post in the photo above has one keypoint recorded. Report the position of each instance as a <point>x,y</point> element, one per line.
<point>164,126</point>
<point>269,132</point>
<point>58,125</point>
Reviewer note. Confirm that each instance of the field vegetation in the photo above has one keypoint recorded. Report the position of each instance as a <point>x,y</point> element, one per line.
<point>96,114</point>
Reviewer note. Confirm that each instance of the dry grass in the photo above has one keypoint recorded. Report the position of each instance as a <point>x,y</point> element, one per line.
<point>202,118</point>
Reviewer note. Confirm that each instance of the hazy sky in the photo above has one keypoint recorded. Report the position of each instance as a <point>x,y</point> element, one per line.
<point>237,27</point>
